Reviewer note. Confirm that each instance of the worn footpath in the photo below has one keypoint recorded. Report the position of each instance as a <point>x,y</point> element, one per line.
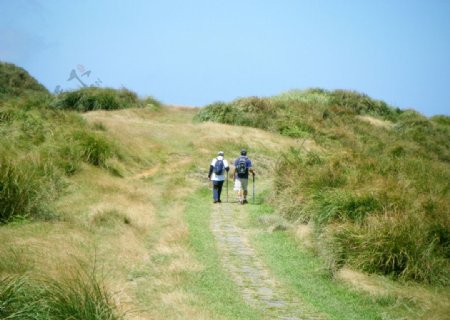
<point>258,287</point>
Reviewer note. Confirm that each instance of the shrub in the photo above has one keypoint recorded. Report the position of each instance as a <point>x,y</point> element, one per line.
<point>219,112</point>
<point>88,99</point>
<point>152,103</point>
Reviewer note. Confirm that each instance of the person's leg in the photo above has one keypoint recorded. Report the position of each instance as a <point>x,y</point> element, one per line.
<point>215,191</point>
<point>238,189</point>
<point>244,184</point>
<point>219,189</point>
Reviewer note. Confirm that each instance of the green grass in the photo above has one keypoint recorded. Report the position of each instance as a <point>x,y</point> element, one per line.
<point>93,98</point>
<point>79,296</point>
<point>41,147</point>
<point>26,189</point>
<point>219,294</point>
<point>15,81</point>
<point>88,99</point>
<point>305,274</point>
<point>374,166</point>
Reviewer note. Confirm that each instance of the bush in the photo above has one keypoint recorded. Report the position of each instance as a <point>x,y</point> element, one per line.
<point>88,99</point>
<point>218,112</point>
<point>152,103</point>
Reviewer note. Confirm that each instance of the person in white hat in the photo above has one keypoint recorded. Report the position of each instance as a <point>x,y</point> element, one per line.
<point>216,174</point>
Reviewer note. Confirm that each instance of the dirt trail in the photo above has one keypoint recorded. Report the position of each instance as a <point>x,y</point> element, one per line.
<point>258,287</point>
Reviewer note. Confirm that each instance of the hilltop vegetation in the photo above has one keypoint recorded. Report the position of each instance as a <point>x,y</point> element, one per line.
<point>375,186</point>
<point>90,99</point>
<point>15,81</point>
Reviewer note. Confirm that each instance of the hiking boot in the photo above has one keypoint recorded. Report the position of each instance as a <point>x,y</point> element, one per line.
<point>219,201</point>
<point>245,201</point>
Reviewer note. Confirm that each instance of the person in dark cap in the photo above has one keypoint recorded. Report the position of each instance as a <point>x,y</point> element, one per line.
<point>216,174</point>
<point>242,168</point>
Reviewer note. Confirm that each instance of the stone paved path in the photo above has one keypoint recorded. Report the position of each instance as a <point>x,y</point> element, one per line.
<point>257,286</point>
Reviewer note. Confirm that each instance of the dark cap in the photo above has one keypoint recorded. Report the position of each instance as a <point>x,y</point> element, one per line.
<point>243,152</point>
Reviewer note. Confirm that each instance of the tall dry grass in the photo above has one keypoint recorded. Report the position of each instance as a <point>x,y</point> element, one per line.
<point>376,188</point>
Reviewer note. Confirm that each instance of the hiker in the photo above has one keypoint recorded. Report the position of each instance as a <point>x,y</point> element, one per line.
<point>242,167</point>
<point>216,174</point>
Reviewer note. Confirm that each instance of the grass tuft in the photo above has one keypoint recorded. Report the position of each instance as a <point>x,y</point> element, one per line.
<point>88,99</point>
<point>80,296</point>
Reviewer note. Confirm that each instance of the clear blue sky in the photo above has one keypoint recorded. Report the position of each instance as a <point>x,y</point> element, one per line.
<point>197,52</point>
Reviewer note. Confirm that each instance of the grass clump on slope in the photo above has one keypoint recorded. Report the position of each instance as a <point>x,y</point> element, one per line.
<point>88,99</point>
<point>81,296</point>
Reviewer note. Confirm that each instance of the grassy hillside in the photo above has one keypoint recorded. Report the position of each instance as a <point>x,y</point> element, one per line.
<point>15,81</point>
<point>44,146</point>
<point>105,214</point>
<point>374,183</point>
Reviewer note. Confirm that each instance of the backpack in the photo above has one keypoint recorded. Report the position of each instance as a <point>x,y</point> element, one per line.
<point>242,167</point>
<point>218,167</point>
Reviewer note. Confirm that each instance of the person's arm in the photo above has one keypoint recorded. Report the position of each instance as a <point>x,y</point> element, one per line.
<point>211,168</point>
<point>250,167</point>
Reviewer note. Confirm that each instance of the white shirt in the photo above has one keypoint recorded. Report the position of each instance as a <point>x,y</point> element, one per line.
<point>216,177</point>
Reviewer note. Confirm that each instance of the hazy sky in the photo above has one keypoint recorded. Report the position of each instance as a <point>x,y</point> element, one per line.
<point>197,52</point>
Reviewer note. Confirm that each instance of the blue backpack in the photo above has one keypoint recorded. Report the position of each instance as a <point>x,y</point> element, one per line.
<point>218,167</point>
<point>242,167</point>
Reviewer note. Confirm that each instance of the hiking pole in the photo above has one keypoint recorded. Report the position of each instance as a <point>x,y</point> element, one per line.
<point>253,188</point>
<point>227,186</point>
